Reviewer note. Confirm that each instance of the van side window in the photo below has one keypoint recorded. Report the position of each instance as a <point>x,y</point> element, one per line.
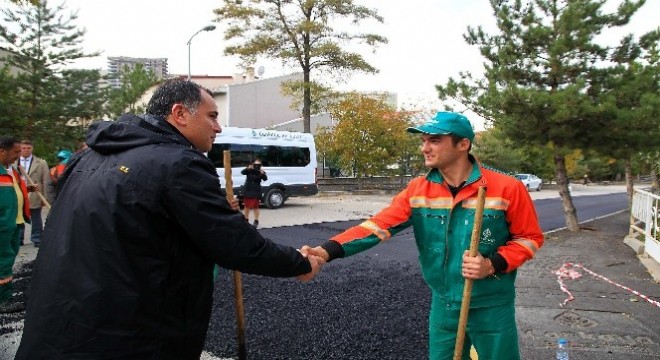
<point>271,156</point>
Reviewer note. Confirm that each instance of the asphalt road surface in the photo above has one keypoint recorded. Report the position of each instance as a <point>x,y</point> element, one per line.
<point>551,212</point>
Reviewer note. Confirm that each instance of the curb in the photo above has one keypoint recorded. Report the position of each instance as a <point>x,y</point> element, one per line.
<point>652,266</point>
<point>635,244</point>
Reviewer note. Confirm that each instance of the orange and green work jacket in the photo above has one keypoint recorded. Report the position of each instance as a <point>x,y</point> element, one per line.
<point>442,224</point>
<point>9,202</point>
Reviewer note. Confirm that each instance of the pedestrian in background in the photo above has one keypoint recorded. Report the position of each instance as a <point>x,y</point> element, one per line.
<point>440,207</point>
<point>37,170</point>
<point>57,171</point>
<point>14,213</point>
<point>254,175</point>
<point>126,266</point>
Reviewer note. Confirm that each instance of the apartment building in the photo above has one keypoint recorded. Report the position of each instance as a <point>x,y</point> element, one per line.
<point>117,64</point>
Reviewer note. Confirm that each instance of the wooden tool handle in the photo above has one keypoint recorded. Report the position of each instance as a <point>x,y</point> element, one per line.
<point>238,286</point>
<point>467,289</point>
<point>229,186</point>
<point>41,196</point>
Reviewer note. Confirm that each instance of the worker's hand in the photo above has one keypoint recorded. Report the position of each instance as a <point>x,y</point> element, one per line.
<point>234,203</point>
<point>476,267</point>
<point>316,262</point>
<point>317,251</point>
<point>33,188</point>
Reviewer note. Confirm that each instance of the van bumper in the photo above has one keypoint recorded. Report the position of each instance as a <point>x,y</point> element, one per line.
<point>302,190</point>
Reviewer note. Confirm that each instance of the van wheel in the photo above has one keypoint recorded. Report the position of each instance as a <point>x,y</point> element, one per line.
<point>274,198</point>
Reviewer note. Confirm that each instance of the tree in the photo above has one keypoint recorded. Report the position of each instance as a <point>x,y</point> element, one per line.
<point>494,149</point>
<point>322,96</point>
<point>367,136</point>
<point>300,33</point>
<point>134,83</point>
<point>21,2</point>
<point>12,111</point>
<point>85,99</point>
<point>632,89</point>
<point>540,85</point>
<point>42,41</point>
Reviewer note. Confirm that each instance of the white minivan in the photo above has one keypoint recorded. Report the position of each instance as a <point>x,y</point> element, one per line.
<point>289,159</point>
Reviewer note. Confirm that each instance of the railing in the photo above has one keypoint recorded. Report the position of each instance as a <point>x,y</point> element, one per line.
<point>644,221</point>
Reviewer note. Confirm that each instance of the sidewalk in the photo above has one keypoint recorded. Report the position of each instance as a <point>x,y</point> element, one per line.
<point>604,321</point>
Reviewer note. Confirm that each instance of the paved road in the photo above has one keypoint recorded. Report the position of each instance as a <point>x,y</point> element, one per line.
<point>551,212</point>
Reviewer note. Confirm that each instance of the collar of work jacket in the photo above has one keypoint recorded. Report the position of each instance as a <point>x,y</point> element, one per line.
<point>473,182</point>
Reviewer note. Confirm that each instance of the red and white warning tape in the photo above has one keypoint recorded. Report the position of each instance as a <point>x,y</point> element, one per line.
<point>564,272</point>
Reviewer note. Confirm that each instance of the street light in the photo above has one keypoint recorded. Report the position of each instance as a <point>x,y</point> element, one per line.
<point>205,28</point>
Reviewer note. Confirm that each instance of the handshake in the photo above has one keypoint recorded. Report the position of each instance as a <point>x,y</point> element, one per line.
<point>317,258</point>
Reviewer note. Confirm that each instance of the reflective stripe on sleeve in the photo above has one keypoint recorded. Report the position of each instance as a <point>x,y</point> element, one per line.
<point>371,226</point>
<point>527,244</point>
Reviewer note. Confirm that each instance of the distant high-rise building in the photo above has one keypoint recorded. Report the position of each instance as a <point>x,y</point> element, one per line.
<point>116,64</point>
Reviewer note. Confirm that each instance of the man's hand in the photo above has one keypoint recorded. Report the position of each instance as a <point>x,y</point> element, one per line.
<point>33,188</point>
<point>476,267</point>
<point>317,251</point>
<point>234,203</point>
<point>316,263</point>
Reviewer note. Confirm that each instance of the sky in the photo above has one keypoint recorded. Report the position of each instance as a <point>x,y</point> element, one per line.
<point>426,45</point>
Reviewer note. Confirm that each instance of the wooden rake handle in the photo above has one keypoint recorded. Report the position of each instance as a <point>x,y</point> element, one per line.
<point>467,289</point>
<point>29,179</point>
<point>238,286</point>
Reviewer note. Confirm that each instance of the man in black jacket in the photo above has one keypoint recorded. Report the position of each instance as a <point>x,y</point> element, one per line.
<point>126,268</point>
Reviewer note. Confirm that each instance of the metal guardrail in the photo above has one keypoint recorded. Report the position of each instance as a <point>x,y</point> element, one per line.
<point>644,221</point>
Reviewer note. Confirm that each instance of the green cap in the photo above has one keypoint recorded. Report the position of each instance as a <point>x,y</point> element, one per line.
<point>445,123</point>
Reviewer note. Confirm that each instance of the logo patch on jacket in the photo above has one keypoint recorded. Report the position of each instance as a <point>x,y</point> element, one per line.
<point>486,237</point>
<point>124,169</point>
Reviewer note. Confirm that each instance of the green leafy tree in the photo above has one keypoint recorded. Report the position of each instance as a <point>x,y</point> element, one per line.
<point>42,40</point>
<point>300,33</point>
<point>366,136</point>
<point>126,99</point>
<point>541,85</point>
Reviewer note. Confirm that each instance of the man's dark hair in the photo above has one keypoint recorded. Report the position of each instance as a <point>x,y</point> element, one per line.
<point>456,139</point>
<point>8,142</point>
<point>176,91</point>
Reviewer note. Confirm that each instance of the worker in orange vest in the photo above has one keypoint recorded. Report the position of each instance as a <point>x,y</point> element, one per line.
<point>57,170</point>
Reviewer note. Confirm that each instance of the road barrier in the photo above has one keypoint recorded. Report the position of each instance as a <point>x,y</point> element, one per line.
<point>644,223</point>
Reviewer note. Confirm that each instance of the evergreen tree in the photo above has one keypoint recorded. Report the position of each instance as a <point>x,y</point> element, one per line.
<point>42,40</point>
<point>632,92</point>
<point>541,85</point>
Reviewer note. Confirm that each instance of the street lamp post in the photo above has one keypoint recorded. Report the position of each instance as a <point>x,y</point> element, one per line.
<point>205,28</point>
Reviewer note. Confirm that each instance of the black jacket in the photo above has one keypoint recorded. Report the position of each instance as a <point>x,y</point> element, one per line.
<point>252,186</point>
<point>126,262</point>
